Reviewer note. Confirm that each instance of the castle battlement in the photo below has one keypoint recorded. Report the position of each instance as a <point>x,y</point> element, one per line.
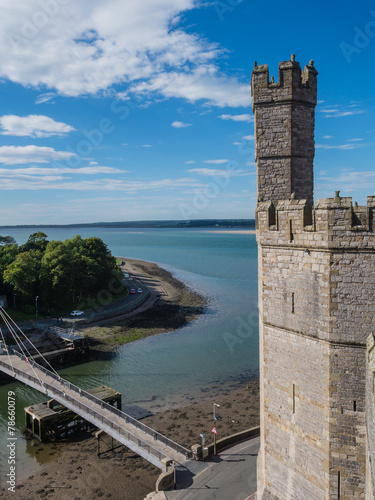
<point>331,223</point>
<point>316,269</point>
<point>284,130</point>
<point>292,85</point>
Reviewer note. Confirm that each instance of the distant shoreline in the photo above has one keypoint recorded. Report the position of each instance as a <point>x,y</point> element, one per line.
<point>234,231</point>
<point>154,224</point>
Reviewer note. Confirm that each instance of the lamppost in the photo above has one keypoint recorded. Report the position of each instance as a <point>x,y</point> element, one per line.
<point>36,307</point>
<point>216,417</point>
<point>203,443</point>
<point>14,300</point>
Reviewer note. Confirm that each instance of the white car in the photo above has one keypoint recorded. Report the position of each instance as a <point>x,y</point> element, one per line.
<point>139,290</point>
<point>126,275</point>
<point>77,313</point>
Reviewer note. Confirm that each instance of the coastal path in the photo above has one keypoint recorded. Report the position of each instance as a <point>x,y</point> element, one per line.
<point>231,474</point>
<point>146,442</point>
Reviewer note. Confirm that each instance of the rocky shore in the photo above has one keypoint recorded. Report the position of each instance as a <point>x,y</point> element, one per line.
<point>172,305</point>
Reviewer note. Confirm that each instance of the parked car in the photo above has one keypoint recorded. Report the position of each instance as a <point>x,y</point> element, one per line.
<point>132,291</point>
<point>139,290</point>
<point>77,313</point>
<point>126,275</point>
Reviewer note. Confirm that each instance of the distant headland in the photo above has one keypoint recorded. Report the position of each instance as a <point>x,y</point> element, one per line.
<point>196,223</point>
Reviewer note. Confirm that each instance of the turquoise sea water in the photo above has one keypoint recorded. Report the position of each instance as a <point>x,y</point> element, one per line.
<point>214,353</point>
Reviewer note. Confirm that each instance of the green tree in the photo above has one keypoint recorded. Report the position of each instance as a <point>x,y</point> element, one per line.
<point>56,273</point>
<point>84,268</point>
<point>23,273</point>
<point>36,241</point>
<point>105,263</point>
<point>8,254</point>
<point>7,240</point>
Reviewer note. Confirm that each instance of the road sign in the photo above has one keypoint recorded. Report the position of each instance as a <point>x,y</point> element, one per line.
<point>213,430</point>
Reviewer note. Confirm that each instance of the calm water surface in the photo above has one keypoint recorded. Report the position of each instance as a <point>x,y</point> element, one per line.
<point>216,352</point>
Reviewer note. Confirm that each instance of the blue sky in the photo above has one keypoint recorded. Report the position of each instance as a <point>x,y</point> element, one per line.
<point>122,110</point>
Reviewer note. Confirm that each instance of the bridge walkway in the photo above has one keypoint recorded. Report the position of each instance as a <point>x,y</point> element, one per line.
<point>146,442</point>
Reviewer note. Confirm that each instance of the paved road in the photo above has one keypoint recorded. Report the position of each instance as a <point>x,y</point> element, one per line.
<point>119,306</point>
<point>232,476</point>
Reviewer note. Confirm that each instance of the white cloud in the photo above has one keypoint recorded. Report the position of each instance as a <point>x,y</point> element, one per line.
<point>47,97</point>
<point>31,171</point>
<point>202,83</point>
<point>189,162</point>
<point>222,173</point>
<point>238,118</point>
<point>17,155</point>
<point>355,140</point>
<point>88,46</point>
<point>58,182</point>
<point>180,124</point>
<point>146,146</point>
<point>251,164</point>
<point>33,126</point>
<point>359,182</point>
<point>218,162</point>
<point>340,146</point>
<point>237,143</point>
<point>328,137</point>
<point>337,111</point>
<point>248,137</point>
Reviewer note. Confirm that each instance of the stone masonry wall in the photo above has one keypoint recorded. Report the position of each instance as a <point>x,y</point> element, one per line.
<point>284,131</point>
<point>370,418</point>
<point>347,430</point>
<point>352,292</point>
<point>296,416</point>
<point>316,269</point>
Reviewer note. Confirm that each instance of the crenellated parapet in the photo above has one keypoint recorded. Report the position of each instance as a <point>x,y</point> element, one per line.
<point>284,130</point>
<point>293,85</point>
<point>332,223</point>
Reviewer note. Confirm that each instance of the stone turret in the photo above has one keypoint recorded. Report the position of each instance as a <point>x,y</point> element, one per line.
<point>316,288</point>
<point>284,130</point>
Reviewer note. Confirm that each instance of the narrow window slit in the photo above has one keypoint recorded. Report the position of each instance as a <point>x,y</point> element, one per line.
<point>291,235</point>
<point>293,303</point>
<point>294,398</point>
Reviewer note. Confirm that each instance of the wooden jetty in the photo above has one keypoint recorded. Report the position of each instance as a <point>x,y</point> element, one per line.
<point>51,420</point>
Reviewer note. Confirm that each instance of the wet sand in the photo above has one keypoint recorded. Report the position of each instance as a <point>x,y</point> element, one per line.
<point>175,305</point>
<point>77,473</point>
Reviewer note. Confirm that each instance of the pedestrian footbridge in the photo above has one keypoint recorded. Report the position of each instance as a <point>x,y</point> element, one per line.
<point>146,442</point>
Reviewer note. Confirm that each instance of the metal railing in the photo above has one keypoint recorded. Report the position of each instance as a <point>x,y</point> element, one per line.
<point>84,408</point>
<point>81,392</point>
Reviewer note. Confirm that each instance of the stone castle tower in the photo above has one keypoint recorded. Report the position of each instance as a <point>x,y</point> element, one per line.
<point>316,292</point>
